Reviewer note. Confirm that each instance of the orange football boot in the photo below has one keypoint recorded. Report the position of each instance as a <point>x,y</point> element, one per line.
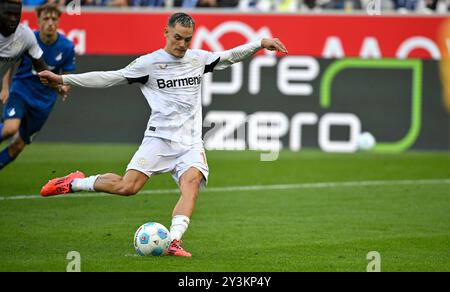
<point>175,249</point>
<point>60,185</point>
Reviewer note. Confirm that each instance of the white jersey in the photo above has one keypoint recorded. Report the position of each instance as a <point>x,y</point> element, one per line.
<point>14,46</point>
<point>172,87</point>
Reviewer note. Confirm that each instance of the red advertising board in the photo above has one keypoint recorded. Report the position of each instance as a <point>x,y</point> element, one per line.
<point>337,36</point>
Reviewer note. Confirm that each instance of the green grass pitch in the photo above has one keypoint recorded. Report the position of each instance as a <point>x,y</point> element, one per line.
<point>317,212</point>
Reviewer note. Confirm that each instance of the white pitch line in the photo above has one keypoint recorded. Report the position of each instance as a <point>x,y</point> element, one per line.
<point>279,187</point>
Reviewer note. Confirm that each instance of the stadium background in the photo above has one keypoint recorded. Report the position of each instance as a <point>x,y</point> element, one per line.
<point>403,111</point>
<point>308,210</point>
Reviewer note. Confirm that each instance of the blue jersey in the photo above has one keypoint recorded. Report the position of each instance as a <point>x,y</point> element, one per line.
<point>59,57</point>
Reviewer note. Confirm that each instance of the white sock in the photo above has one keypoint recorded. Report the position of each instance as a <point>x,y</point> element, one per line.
<point>84,184</point>
<point>179,226</point>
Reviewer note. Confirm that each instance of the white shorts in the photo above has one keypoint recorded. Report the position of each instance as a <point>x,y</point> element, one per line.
<point>157,155</point>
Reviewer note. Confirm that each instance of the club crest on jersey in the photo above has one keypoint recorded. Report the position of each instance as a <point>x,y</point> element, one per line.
<point>15,45</point>
<point>182,82</point>
<point>11,112</point>
<point>195,62</point>
<point>143,162</point>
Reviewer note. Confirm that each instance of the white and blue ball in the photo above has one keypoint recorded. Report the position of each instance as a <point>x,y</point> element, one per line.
<point>366,141</point>
<point>152,239</point>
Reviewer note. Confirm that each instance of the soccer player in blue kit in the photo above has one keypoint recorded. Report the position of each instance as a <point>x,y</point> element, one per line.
<point>28,102</point>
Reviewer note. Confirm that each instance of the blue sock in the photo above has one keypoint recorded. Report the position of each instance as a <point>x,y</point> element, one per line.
<point>1,130</point>
<point>5,158</point>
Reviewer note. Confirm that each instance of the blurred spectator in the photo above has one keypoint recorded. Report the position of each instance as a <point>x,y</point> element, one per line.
<point>287,5</point>
<point>405,4</point>
<point>185,3</point>
<point>113,3</point>
<point>343,4</point>
<point>261,5</point>
<point>443,6</point>
<point>247,4</point>
<point>40,2</point>
<point>205,3</point>
<point>431,4</point>
<point>440,6</point>
<point>33,2</point>
<point>91,2</point>
<point>310,4</point>
<point>57,2</point>
<point>148,3</point>
<point>117,3</point>
<point>228,3</point>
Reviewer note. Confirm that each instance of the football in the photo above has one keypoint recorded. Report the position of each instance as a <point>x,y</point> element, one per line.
<point>366,141</point>
<point>152,239</point>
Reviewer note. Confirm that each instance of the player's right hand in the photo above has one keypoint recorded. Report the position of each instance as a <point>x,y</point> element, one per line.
<point>4,96</point>
<point>50,79</point>
<point>274,45</point>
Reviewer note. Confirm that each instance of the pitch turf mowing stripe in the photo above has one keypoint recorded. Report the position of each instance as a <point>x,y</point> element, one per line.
<point>279,187</point>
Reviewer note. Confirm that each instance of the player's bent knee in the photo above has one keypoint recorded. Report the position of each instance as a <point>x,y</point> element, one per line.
<point>191,185</point>
<point>9,131</point>
<point>195,181</point>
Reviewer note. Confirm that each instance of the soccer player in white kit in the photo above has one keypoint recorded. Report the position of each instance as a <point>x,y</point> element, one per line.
<point>16,39</point>
<point>170,80</point>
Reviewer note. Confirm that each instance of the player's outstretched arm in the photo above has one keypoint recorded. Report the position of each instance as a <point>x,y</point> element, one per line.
<point>240,53</point>
<point>96,79</point>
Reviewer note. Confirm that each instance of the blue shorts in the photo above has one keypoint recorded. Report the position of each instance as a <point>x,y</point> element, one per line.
<point>32,119</point>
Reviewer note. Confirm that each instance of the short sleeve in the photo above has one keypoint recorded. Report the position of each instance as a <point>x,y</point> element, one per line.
<point>33,48</point>
<point>138,68</point>
<point>137,71</point>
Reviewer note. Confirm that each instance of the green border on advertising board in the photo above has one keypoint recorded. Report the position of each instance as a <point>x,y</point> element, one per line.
<point>416,109</point>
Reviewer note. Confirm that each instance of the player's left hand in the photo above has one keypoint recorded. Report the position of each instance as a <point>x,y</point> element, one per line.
<point>274,45</point>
